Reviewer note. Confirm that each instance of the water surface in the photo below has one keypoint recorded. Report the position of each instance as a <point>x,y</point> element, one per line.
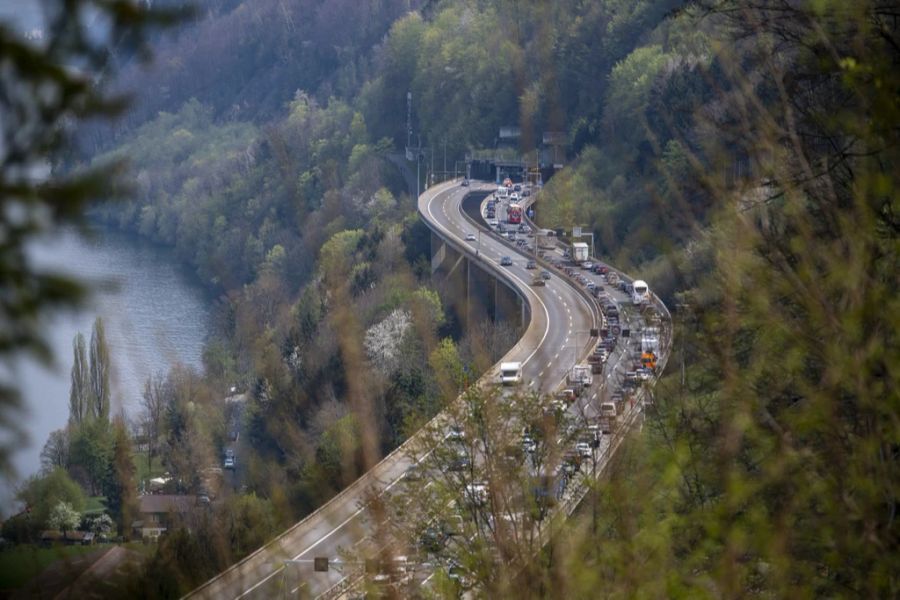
<point>155,315</point>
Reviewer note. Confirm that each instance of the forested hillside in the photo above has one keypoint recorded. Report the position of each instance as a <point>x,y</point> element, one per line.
<point>742,156</point>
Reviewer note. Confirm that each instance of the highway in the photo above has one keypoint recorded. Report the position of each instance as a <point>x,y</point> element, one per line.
<point>561,316</point>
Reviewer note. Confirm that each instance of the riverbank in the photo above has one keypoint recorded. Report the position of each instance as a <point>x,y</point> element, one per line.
<point>155,312</point>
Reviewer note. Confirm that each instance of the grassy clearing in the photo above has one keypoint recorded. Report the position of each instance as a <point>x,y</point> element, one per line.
<point>95,504</point>
<point>24,562</point>
<point>144,470</point>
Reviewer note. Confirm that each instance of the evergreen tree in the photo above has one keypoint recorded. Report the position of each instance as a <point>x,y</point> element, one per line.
<point>90,454</point>
<point>121,487</point>
<point>99,372</point>
<point>80,389</point>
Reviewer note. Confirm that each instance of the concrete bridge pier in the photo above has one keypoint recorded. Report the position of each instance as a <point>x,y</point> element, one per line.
<point>472,292</point>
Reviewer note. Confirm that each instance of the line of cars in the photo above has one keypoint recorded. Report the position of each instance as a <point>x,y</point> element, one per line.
<point>639,365</point>
<point>589,436</point>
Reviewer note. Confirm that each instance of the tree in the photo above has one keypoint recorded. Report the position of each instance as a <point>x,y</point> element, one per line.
<point>249,522</point>
<point>55,453</point>
<point>100,525</point>
<point>42,492</point>
<point>121,487</point>
<point>63,517</point>
<point>156,397</point>
<point>50,99</point>
<point>80,390</point>
<point>90,454</point>
<point>629,91</point>
<point>99,373</point>
<point>383,340</point>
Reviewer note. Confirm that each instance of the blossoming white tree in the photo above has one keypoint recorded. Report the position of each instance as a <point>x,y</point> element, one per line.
<point>382,341</point>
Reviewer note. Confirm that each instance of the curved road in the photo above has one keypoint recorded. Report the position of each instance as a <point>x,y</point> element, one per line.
<point>561,318</point>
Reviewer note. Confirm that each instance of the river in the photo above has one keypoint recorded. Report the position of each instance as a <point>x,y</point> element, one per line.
<point>155,313</point>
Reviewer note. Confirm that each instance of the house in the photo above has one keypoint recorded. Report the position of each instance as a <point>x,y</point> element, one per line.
<point>159,512</point>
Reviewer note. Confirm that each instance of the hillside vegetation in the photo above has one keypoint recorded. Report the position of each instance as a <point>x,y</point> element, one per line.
<point>741,156</point>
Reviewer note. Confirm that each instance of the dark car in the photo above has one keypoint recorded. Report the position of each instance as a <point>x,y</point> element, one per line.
<point>459,463</point>
<point>506,261</point>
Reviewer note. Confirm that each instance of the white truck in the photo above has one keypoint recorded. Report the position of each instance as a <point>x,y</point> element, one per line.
<point>546,239</point>
<point>510,373</point>
<point>581,374</point>
<point>607,420</point>
<point>650,340</point>
<point>580,252</point>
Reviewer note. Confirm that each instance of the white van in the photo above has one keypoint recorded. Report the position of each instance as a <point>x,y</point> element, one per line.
<point>510,373</point>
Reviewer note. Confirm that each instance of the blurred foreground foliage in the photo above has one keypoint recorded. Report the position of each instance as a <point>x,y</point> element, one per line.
<point>48,86</point>
<point>771,469</point>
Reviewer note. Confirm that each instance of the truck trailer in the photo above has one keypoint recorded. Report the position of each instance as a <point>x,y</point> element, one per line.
<point>580,252</point>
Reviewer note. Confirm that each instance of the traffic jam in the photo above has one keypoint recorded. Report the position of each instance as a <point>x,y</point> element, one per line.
<point>603,389</point>
<point>549,442</point>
